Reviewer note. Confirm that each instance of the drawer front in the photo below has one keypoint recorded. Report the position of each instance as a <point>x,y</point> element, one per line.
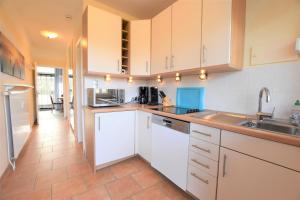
<point>204,148</point>
<point>206,133</point>
<point>278,153</point>
<point>201,185</point>
<point>205,164</point>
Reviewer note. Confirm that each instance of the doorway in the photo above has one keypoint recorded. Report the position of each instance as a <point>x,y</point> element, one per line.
<point>50,92</point>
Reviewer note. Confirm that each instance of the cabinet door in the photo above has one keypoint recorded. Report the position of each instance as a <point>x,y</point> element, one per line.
<point>161,42</point>
<point>143,135</point>
<point>114,136</point>
<point>186,34</point>
<point>104,41</point>
<point>140,39</point>
<point>248,178</point>
<point>216,32</point>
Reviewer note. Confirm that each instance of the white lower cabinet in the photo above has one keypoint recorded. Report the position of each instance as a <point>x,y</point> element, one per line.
<point>114,136</point>
<point>203,162</point>
<point>143,135</point>
<point>243,177</point>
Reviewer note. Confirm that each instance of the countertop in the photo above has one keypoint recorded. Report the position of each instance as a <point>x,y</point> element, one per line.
<point>204,119</point>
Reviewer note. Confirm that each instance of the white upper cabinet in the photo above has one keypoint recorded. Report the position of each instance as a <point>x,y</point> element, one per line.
<point>223,25</point>
<point>161,42</point>
<point>140,47</point>
<point>103,33</point>
<point>186,34</point>
<point>216,32</point>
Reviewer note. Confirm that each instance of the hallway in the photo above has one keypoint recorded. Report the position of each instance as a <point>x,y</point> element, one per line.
<point>51,166</point>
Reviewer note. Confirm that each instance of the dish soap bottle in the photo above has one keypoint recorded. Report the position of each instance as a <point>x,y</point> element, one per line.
<point>295,116</point>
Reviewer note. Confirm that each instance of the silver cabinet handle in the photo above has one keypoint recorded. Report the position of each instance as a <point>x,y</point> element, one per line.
<point>201,164</point>
<point>148,122</point>
<point>205,134</point>
<point>99,123</point>
<point>224,164</point>
<point>166,62</point>
<point>200,148</point>
<point>147,66</point>
<point>204,53</point>
<point>199,178</point>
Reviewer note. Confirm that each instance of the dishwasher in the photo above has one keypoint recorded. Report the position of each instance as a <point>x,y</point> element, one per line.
<point>170,143</point>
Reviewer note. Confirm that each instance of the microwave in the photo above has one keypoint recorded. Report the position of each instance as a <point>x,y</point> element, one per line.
<point>105,97</point>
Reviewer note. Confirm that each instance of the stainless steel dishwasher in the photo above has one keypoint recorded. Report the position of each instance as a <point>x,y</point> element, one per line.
<point>170,143</point>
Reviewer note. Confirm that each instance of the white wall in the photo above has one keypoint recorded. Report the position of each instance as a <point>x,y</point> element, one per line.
<point>16,34</point>
<point>238,91</point>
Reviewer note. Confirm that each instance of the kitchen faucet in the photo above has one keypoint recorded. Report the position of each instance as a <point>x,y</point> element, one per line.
<point>261,115</point>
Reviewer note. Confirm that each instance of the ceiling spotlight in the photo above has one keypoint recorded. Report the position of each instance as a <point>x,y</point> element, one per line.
<point>49,34</point>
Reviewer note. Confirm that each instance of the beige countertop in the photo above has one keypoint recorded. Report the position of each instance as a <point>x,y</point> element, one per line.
<point>205,120</point>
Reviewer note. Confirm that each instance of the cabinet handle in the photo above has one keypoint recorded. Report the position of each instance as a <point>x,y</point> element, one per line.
<point>172,61</point>
<point>224,164</point>
<point>147,66</point>
<point>166,62</point>
<point>118,66</point>
<point>204,53</point>
<point>148,122</point>
<point>99,123</point>
<point>202,149</point>
<point>199,163</point>
<point>205,134</point>
<point>199,178</point>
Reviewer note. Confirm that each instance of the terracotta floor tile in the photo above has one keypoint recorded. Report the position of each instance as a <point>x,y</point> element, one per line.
<point>101,177</point>
<point>153,193</point>
<point>46,179</point>
<point>123,188</point>
<point>123,169</point>
<point>79,169</point>
<point>98,193</point>
<point>68,188</point>
<point>33,195</point>
<point>172,191</point>
<point>147,178</point>
<point>139,163</point>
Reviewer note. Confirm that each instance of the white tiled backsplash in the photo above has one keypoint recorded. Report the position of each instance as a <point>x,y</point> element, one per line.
<point>238,91</point>
<point>231,91</point>
<point>131,89</point>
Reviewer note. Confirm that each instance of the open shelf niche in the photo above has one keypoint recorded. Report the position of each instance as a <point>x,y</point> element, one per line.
<point>125,46</point>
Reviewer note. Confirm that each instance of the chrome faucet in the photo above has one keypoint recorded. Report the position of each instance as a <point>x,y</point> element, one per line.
<point>261,115</point>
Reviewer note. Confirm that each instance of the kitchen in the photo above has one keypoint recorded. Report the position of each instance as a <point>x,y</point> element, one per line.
<point>204,93</point>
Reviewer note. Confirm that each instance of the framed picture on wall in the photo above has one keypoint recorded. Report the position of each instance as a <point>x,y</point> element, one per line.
<point>12,62</point>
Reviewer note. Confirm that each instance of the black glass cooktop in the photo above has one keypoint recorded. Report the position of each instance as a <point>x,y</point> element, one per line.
<point>176,110</point>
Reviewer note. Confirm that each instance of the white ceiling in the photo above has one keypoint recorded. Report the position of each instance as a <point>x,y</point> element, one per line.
<point>38,15</point>
<point>142,9</point>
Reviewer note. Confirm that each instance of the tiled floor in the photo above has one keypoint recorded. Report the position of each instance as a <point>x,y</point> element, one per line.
<point>52,167</point>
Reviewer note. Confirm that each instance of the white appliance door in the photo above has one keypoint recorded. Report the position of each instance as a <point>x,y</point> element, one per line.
<point>170,154</point>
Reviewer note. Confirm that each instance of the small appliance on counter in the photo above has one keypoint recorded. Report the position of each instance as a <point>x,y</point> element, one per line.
<point>153,96</point>
<point>105,97</point>
<point>143,95</point>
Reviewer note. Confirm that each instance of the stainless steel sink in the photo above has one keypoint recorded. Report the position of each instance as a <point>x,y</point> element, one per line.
<point>273,125</point>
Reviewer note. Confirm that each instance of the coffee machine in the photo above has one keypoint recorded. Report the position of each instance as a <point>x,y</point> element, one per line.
<point>153,96</point>
<point>143,95</point>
